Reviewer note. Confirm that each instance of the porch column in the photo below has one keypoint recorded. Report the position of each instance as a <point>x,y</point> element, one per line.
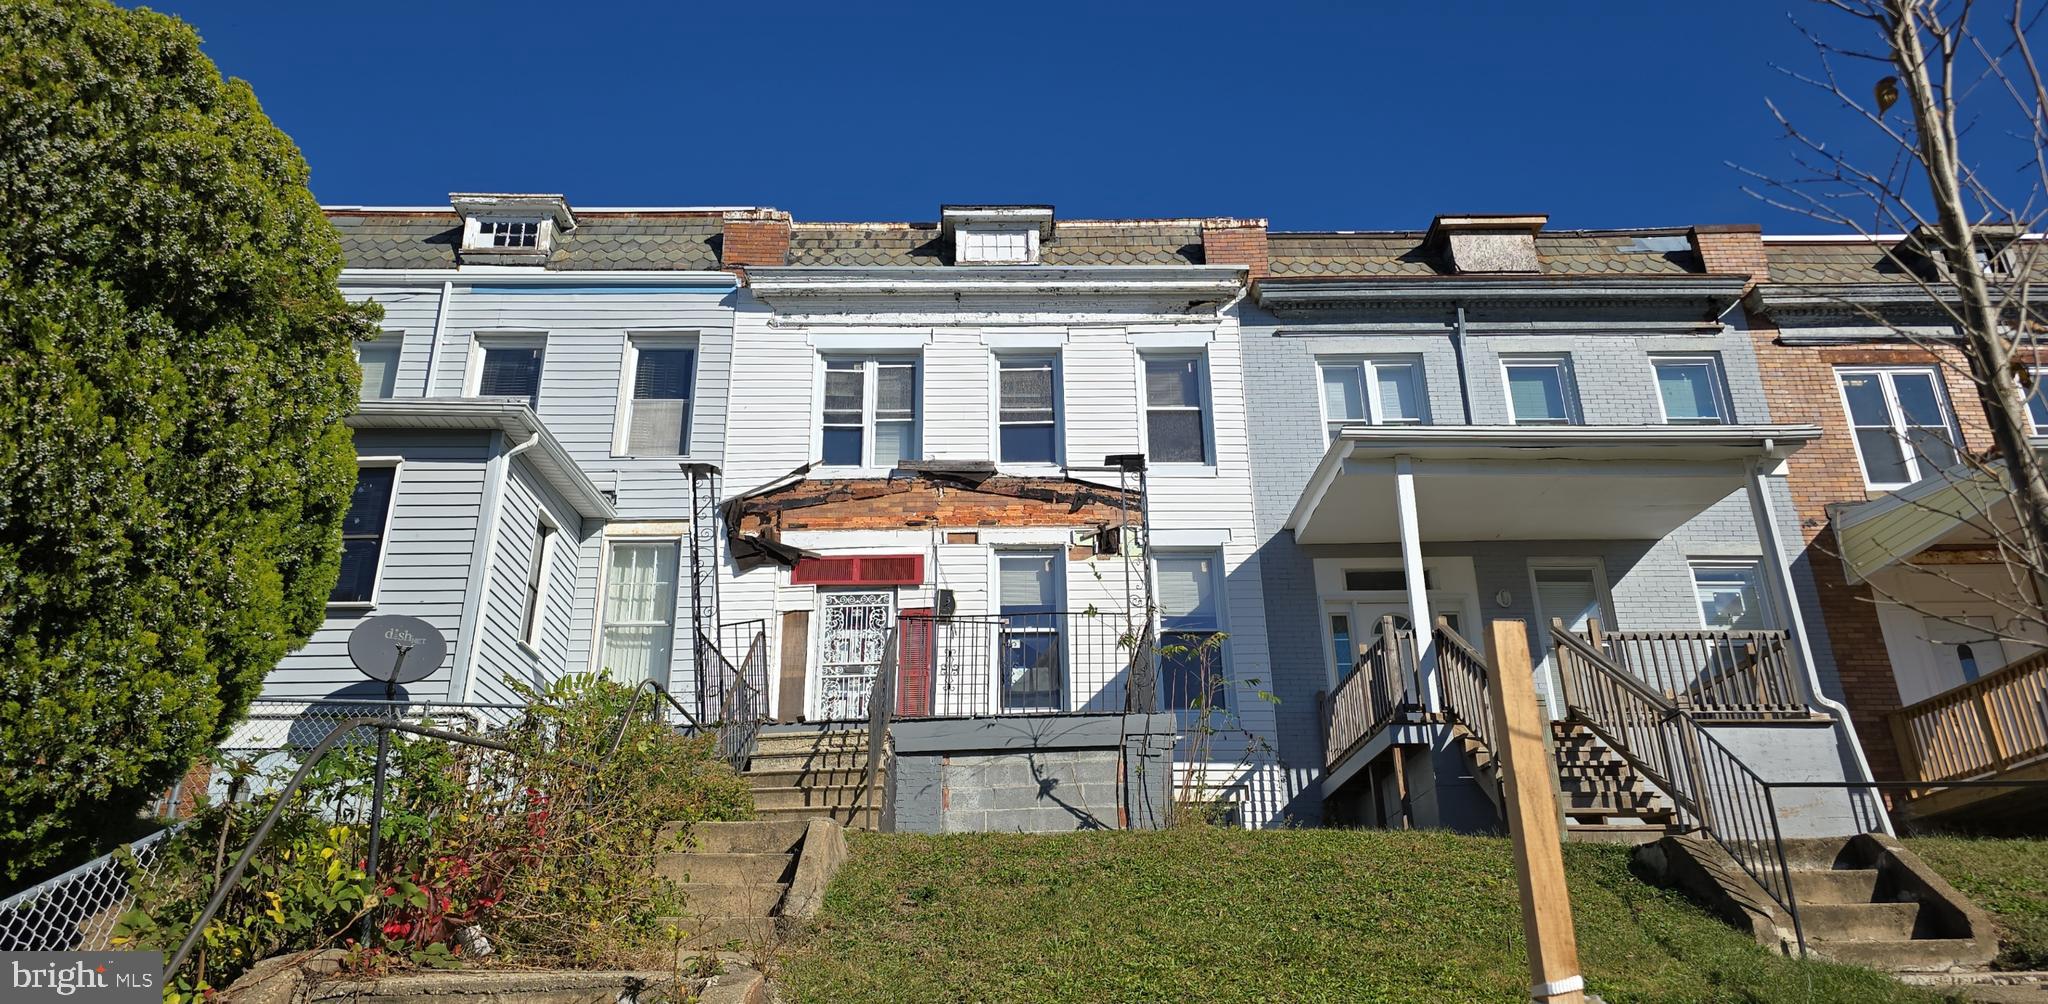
<point>1786,592</point>
<point>1418,583</point>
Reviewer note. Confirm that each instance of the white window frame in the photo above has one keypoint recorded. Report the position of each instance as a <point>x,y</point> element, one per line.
<point>629,372</point>
<point>474,238</point>
<point>1207,406</point>
<point>535,609</point>
<point>870,362</point>
<point>473,367</point>
<point>1724,406</point>
<point>1897,415</point>
<point>397,465</point>
<point>625,536</point>
<point>395,341</point>
<point>1568,386</point>
<point>1368,371</point>
<point>966,239</point>
<point>2040,392</point>
<point>1219,580</point>
<point>1059,409</point>
<point>1754,567</point>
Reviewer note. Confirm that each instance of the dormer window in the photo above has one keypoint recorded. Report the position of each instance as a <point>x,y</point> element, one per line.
<point>511,229</point>
<point>997,235</point>
<point>508,233</point>
<point>1005,246</point>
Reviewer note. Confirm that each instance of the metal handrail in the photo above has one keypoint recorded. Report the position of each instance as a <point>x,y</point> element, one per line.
<point>739,718</point>
<point>1723,797</point>
<point>313,757</point>
<point>633,705</point>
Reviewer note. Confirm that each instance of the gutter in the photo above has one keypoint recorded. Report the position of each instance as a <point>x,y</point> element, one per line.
<point>440,328</point>
<point>462,680</point>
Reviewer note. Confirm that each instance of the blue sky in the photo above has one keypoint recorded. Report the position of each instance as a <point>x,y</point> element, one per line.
<point>1316,115</point>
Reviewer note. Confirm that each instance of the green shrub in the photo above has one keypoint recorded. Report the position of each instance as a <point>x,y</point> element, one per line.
<point>175,362</point>
<point>547,850</point>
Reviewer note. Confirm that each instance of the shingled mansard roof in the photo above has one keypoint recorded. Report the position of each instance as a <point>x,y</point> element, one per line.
<point>401,239</point>
<point>1074,242</point>
<point>1403,252</point>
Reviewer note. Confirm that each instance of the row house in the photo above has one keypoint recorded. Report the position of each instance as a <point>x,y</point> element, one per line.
<point>993,479</point>
<point>1940,648</point>
<point>1489,419</point>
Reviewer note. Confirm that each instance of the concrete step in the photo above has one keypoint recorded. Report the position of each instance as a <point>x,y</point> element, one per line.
<point>763,836</point>
<point>857,818</point>
<point>757,899</point>
<point>1627,833</point>
<point>723,868</point>
<point>720,932</point>
<point>1839,885</point>
<point>806,778</point>
<point>813,795</point>
<point>807,761</point>
<point>1844,922</point>
<point>1935,954</point>
<point>777,742</point>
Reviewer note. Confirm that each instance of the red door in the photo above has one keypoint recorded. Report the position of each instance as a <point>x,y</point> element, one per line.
<point>914,663</point>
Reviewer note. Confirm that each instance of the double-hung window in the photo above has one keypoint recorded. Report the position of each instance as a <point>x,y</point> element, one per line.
<point>1540,390</point>
<point>1730,595</point>
<point>1372,391</point>
<point>1176,410</point>
<point>1191,666</point>
<point>658,413</point>
<point>639,611</point>
<point>1690,390</point>
<point>1027,409</point>
<point>537,582</point>
<point>363,531</point>
<point>1901,421</point>
<point>2037,402</point>
<point>870,413</point>
<point>379,360</point>
<point>509,367</point>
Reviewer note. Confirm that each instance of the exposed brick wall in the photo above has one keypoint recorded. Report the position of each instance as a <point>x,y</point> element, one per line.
<point>1801,385</point>
<point>1236,242</point>
<point>754,237</point>
<point>894,504</point>
<point>1733,249</point>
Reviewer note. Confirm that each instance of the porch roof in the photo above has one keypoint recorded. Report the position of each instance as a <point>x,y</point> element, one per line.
<point>1963,506</point>
<point>512,416</point>
<point>1584,482</point>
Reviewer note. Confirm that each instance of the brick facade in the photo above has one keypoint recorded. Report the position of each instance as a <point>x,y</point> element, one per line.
<point>1801,385</point>
<point>1236,242</point>
<point>754,237</point>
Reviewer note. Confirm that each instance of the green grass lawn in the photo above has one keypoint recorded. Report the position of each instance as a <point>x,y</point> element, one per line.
<point>2008,878</point>
<point>1229,915</point>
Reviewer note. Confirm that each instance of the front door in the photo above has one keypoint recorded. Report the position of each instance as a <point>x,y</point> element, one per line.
<point>1963,651</point>
<point>1574,594</point>
<point>1031,656</point>
<point>853,628</point>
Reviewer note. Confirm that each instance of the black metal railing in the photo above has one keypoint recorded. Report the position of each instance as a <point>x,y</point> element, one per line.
<point>742,698</point>
<point>1662,740</point>
<point>1041,663</point>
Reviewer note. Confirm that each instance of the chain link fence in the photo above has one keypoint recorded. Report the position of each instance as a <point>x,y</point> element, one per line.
<point>77,911</point>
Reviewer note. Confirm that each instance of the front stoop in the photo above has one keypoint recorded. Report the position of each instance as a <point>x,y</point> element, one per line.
<point>743,882</point>
<point>810,772</point>
<point>1863,900</point>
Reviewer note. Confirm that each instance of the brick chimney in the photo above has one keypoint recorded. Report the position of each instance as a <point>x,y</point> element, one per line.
<point>1733,249</point>
<point>1236,242</point>
<point>754,237</point>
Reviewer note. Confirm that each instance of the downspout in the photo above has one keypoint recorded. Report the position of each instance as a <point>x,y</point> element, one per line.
<point>434,342</point>
<point>462,684</point>
<point>1767,529</point>
<point>1458,350</point>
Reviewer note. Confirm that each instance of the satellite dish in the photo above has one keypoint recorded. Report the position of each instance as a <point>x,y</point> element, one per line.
<point>394,649</point>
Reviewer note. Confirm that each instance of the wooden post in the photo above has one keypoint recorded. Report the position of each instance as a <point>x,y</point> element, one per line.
<point>1531,792</point>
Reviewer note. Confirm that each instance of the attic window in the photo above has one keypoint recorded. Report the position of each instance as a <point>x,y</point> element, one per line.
<point>998,246</point>
<point>1993,262</point>
<point>507,233</point>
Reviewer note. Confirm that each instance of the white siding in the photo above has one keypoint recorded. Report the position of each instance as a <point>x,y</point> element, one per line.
<point>425,568</point>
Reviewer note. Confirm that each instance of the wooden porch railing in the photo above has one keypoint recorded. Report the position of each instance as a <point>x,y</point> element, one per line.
<point>1998,721</point>
<point>1461,682</point>
<point>1382,683</point>
<point>1716,674</point>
